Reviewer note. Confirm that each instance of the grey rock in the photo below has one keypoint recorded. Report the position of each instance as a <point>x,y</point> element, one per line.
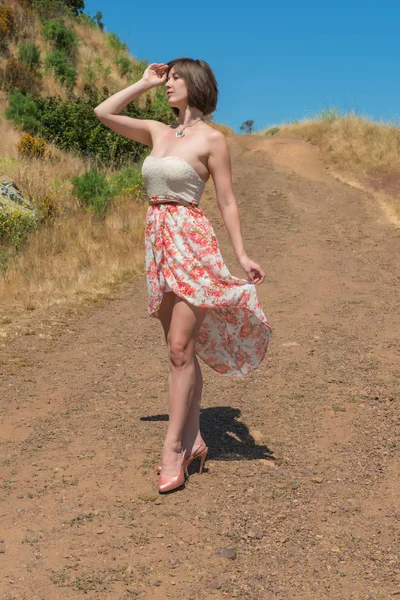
<point>226,553</point>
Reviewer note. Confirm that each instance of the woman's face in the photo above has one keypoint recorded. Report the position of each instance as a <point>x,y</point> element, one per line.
<point>176,88</point>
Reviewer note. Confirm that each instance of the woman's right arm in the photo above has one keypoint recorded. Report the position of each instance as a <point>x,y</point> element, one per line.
<point>139,130</point>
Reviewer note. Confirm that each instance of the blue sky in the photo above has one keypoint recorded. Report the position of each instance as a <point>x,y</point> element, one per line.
<point>274,61</point>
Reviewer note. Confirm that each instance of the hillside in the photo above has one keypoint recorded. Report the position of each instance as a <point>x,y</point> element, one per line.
<point>357,150</point>
<point>84,181</point>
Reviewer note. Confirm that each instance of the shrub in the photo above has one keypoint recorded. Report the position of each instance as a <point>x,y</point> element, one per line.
<point>75,6</point>
<point>128,182</point>
<point>90,77</point>
<point>115,43</point>
<point>124,65</point>
<point>17,75</point>
<point>48,9</point>
<point>23,111</point>
<point>7,26</point>
<point>103,70</point>
<point>330,114</point>
<point>32,147</point>
<point>271,131</point>
<point>93,191</point>
<point>72,126</point>
<point>62,68</point>
<point>29,55</point>
<point>60,37</point>
<point>47,206</point>
<point>16,226</point>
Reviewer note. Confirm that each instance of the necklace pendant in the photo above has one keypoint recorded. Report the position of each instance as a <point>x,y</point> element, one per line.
<point>180,134</point>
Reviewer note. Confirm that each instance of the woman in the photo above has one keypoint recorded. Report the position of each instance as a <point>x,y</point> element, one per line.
<point>203,309</point>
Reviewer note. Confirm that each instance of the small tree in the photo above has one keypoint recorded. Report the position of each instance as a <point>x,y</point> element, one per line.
<point>247,126</point>
<point>98,19</point>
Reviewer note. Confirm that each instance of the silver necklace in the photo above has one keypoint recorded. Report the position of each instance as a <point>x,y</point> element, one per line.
<point>180,133</point>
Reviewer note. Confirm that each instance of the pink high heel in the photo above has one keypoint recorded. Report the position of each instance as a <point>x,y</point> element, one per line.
<point>201,453</point>
<point>167,485</point>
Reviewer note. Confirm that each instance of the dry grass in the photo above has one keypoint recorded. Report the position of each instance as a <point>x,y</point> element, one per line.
<point>353,143</point>
<point>93,45</point>
<point>361,152</point>
<point>78,254</point>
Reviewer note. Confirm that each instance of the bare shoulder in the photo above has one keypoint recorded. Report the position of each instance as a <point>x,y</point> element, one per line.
<point>216,141</point>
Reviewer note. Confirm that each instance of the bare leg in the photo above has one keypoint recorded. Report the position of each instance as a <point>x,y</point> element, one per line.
<point>191,437</point>
<point>184,324</point>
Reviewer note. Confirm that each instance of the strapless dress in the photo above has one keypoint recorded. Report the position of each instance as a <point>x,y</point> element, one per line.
<point>183,256</point>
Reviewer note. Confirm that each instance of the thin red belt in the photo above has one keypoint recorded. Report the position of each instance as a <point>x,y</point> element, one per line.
<point>164,200</point>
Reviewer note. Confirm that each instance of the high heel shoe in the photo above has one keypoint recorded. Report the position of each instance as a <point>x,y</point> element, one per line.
<point>200,452</point>
<point>168,484</point>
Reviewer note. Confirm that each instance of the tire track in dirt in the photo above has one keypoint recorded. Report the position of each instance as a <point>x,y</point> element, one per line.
<point>301,479</point>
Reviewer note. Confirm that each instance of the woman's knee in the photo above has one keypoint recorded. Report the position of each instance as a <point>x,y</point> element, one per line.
<point>180,353</point>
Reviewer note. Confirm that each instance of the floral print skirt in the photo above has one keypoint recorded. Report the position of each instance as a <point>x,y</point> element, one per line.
<point>182,255</point>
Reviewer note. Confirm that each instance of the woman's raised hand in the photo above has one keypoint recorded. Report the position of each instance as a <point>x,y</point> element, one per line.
<point>155,74</point>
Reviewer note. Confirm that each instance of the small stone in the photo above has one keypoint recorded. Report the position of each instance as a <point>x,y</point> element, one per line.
<point>160,535</point>
<point>100,531</point>
<point>317,479</point>
<point>268,463</point>
<point>335,549</point>
<point>229,553</point>
<point>216,584</point>
<point>290,344</point>
<point>158,502</point>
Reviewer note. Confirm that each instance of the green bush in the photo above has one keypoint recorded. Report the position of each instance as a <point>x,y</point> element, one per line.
<point>75,6</point>
<point>23,111</point>
<point>271,131</point>
<point>124,65</point>
<point>62,68</point>
<point>127,182</point>
<point>72,126</point>
<point>16,226</point>
<point>48,9</point>
<point>115,43</point>
<point>60,37</point>
<point>93,191</point>
<point>29,55</point>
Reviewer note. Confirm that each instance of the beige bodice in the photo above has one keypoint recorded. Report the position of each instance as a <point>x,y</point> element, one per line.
<point>172,177</point>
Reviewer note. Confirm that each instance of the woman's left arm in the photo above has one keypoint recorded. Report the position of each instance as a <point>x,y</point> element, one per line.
<point>219,164</point>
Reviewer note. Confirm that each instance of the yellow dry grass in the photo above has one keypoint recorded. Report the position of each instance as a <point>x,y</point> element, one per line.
<point>358,150</point>
<point>354,143</point>
<point>78,255</point>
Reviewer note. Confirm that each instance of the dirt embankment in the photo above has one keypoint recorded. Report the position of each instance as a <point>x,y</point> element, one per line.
<point>302,480</point>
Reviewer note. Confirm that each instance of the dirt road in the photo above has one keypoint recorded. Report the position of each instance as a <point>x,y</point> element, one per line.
<point>302,487</point>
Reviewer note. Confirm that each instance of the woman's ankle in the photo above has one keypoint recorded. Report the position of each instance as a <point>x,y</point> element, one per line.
<point>172,446</point>
<point>192,442</point>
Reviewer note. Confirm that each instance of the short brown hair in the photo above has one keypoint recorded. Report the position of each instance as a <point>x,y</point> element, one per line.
<point>200,82</point>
